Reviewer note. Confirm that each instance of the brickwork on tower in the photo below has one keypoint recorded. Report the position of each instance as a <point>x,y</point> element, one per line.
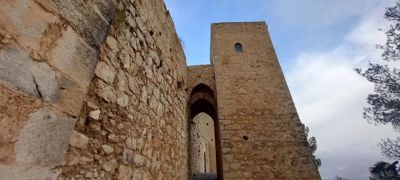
<point>261,134</point>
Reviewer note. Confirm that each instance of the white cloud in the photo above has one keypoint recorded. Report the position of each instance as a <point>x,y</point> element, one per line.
<point>320,13</point>
<point>330,98</point>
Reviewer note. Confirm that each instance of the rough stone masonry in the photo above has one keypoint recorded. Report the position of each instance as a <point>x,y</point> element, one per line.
<point>99,89</point>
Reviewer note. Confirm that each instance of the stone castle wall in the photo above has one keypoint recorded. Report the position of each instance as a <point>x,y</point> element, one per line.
<point>134,117</point>
<point>127,121</point>
<point>47,59</point>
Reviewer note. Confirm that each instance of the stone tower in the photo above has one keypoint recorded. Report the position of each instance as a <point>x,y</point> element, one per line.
<point>260,134</point>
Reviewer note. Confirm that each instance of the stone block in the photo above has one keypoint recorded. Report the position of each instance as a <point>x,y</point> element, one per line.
<point>45,82</point>
<point>124,173</point>
<point>122,82</point>
<point>71,95</point>
<point>113,138</point>
<point>138,159</point>
<point>44,138</point>
<point>95,114</point>
<point>112,43</point>
<point>18,71</point>
<point>131,143</point>
<point>27,172</point>
<point>134,84</point>
<point>127,156</point>
<point>105,72</point>
<point>78,140</point>
<point>74,57</point>
<point>107,149</point>
<point>110,166</point>
<point>28,21</point>
<point>91,18</point>
<point>123,100</point>
<point>105,91</point>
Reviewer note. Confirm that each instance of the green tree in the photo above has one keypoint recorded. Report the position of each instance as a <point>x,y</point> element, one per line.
<point>312,142</point>
<point>390,148</point>
<point>384,103</point>
<point>384,171</point>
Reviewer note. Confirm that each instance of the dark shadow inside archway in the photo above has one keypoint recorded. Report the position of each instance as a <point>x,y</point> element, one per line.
<point>202,100</point>
<point>202,105</point>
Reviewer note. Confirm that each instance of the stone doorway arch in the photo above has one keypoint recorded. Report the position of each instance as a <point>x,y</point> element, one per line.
<point>202,100</point>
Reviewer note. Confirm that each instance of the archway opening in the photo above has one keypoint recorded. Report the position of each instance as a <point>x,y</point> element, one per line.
<point>203,159</point>
<point>205,144</point>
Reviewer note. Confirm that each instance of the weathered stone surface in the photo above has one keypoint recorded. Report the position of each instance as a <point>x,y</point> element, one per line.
<point>27,22</point>
<point>124,173</point>
<point>110,166</point>
<point>95,114</point>
<point>124,58</point>
<point>18,71</point>
<point>78,140</point>
<point>112,43</point>
<point>127,156</point>
<point>106,92</point>
<point>91,18</point>
<point>107,149</point>
<point>74,57</point>
<point>42,57</point>
<point>85,160</point>
<point>138,174</point>
<point>92,105</point>
<point>105,72</point>
<point>71,159</point>
<point>123,100</point>
<point>138,159</point>
<point>71,95</point>
<point>27,172</point>
<point>113,138</point>
<point>131,143</point>
<point>122,82</point>
<point>45,82</point>
<point>14,108</point>
<point>44,139</point>
<point>134,85</point>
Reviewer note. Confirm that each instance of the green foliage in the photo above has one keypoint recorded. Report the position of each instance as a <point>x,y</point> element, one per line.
<point>384,103</point>
<point>384,171</point>
<point>312,144</point>
<point>392,46</point>
<point>390,148</point>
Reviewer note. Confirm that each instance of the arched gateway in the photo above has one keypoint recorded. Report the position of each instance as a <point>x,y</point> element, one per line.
<point>202,100</point>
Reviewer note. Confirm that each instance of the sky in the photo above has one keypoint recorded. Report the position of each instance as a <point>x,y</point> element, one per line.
<point>318,43</point>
